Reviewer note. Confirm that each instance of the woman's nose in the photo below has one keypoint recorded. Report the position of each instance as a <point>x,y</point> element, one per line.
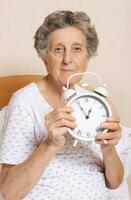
<point>67,57</point>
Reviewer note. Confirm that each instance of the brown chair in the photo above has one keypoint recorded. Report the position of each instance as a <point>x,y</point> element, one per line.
<point>10,84</point>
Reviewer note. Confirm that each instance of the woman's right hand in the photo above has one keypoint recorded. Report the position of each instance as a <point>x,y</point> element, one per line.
<point>57,123</point>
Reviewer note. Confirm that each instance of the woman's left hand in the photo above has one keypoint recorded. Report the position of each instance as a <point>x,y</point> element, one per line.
<point>113,135</point>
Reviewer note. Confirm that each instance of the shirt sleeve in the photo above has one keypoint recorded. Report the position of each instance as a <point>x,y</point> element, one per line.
<point>124,150</point>
<point>18,135</point>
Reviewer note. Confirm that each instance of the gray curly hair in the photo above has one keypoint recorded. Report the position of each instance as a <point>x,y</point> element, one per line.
<point>62,19</point>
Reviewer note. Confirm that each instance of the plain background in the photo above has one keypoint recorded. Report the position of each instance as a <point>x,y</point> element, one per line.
<point>112,19</point>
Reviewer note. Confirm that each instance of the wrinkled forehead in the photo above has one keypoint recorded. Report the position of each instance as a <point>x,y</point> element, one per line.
<point>67,36</point>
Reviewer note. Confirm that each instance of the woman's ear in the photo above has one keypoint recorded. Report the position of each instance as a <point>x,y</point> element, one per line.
<point>45,61</point>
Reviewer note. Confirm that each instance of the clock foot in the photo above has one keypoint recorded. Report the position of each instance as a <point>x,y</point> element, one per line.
<point>75,143</point>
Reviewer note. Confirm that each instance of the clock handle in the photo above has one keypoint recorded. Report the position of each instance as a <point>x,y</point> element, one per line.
<point>75,143</point>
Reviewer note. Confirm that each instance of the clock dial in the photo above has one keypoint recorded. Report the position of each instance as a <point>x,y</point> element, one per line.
<point>89,111</point>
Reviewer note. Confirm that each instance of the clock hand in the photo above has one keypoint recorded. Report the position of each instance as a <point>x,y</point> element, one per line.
<point>88,113</point>
<point>82,110</point>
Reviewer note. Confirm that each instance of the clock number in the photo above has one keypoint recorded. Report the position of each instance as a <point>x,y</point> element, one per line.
<point>77,102</point>
<point>79,132</point>
<point>88,134</point>
<point>86,99</point>
<point>104,116</point>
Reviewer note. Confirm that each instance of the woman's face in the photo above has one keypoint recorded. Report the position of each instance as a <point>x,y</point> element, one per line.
<point>67,54</point>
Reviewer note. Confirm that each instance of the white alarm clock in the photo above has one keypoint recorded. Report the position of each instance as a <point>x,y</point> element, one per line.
<point>90,109</point>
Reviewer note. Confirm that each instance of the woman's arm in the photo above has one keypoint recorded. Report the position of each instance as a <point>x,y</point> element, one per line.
<point>114,170</point>
<point>18,180</point>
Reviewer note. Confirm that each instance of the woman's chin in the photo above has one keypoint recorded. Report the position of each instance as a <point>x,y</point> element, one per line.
<point>63,78</point>
<point>72,81</point>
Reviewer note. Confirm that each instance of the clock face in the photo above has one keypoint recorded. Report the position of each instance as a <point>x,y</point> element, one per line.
<point>89,111</point>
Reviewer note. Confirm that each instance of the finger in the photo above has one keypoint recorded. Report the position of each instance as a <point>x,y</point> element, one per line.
<point>65,123</point>
<point>108,135</point>
<point>57,130</point>
<point>110,125</point>
<point>107,142</point>
<point>112,142</point>
<point>63,130</point>
<point>67,109</point>
<point>58,112</point>
<point>113,119</point>
<point>59,117</point>
<point>101,142</point>
<point>63,115</point>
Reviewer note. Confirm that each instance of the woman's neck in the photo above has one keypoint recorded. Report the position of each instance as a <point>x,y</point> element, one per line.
<point>56,88</point>
<point>52,92</point>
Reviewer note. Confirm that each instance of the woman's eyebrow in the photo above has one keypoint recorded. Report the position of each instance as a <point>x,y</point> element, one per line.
<point>76,43</point>
<point>57,44</point>
<point>61,44</point>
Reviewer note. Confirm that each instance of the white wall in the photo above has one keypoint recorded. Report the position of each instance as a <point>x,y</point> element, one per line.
<point>20,19</point>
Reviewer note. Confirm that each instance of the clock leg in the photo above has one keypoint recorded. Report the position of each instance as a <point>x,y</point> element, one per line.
<point>75,143</point>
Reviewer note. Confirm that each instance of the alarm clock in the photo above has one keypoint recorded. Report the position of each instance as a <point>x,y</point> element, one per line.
<point>90,109</point>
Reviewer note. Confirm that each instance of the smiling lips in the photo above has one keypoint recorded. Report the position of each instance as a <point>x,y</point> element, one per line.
<point>67,70</point>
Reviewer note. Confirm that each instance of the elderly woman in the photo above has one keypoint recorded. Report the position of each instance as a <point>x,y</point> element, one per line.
<point>37,156</point>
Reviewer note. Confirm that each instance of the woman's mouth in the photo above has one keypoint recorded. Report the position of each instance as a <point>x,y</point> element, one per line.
<point>67,70</point>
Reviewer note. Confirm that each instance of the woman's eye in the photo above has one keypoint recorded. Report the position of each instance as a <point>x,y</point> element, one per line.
<point>77,49</point>
<point>59,50</point>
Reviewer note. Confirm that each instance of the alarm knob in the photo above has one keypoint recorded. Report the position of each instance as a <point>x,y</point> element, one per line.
<point>68,93</point>
<point>101,89</point>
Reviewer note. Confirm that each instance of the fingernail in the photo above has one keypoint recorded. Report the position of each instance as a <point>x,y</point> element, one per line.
<point>70,108</point>
<point>75,124</point>
<point>109,118</point>
<point>102,124</point>
<point>74,119</point>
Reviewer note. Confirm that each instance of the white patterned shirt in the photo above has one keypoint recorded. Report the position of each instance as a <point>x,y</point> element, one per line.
<point>75,173</point>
